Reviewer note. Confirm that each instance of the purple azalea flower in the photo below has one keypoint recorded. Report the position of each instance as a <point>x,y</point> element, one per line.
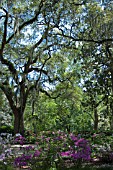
<point>73,137</point>
<point>2,157</point>
<point>81,142</point>
<point>29,147</point>
<point>37,153</point>
<point>48,139</point>
<point>67,153</point>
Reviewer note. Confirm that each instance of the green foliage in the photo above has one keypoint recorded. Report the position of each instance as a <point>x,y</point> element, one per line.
<point>6,129</point>
<point>60,113</point>
<point>6,167</point>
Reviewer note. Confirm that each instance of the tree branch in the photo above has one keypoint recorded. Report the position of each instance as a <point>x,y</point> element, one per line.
<point>9,65</point>
<point>8,92</point>
<point>5,29</point>
<point>47,94</point>
<point>30,60</point>
<point>78,4</point>
<point>87,40</point>
<point>27,22</point>
<point>41,70</point>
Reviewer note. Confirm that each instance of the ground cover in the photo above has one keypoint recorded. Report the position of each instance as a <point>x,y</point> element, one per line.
<point>56,150</point>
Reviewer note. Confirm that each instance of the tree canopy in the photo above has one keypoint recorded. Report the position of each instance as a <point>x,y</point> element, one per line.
<point>44,43</point>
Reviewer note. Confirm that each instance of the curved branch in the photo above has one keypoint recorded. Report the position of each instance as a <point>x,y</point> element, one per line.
<point>9,65</point>
<point>5,29</point>
<point>99,41</point>
<point>27,22</point>
<point>8,92</point>
<point>47,94</point>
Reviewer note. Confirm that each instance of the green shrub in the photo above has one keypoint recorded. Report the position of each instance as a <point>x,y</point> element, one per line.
<point>7,129</point>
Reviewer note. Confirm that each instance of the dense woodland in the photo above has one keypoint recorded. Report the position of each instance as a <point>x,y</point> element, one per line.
<point>56,65</point>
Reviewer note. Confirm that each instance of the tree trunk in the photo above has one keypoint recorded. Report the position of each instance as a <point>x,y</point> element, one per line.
<point>18,123</point>
<point>109,55</point>
<point>22,130</point>
<point>111,105</point>
<point>111,122</point>
<point>95,119</point>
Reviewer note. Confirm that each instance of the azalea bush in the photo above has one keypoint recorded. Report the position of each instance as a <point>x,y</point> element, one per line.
<point>53,149</point>
<point>56,150</point>
<point>19,140</point>
<point>102,146</point>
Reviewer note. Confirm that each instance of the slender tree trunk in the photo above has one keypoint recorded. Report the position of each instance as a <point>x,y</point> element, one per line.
<point>110,56</point>
<point>111,105</point>
<point>95,119</point>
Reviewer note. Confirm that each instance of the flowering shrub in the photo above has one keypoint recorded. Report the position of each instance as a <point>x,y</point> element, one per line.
<point>26,159</point>
<point>79,150</point>
<point>19,140</point>
<point>51,149</point>
<point>22,160</point>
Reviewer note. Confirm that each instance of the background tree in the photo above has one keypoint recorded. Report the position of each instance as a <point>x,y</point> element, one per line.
<point>96,61</point>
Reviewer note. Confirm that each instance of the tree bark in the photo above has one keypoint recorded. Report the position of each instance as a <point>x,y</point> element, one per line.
<point>95,119</point>
<point>111,105</point>
<point>18,122</point>
<point>110,57</point>
<point>22,130</point>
